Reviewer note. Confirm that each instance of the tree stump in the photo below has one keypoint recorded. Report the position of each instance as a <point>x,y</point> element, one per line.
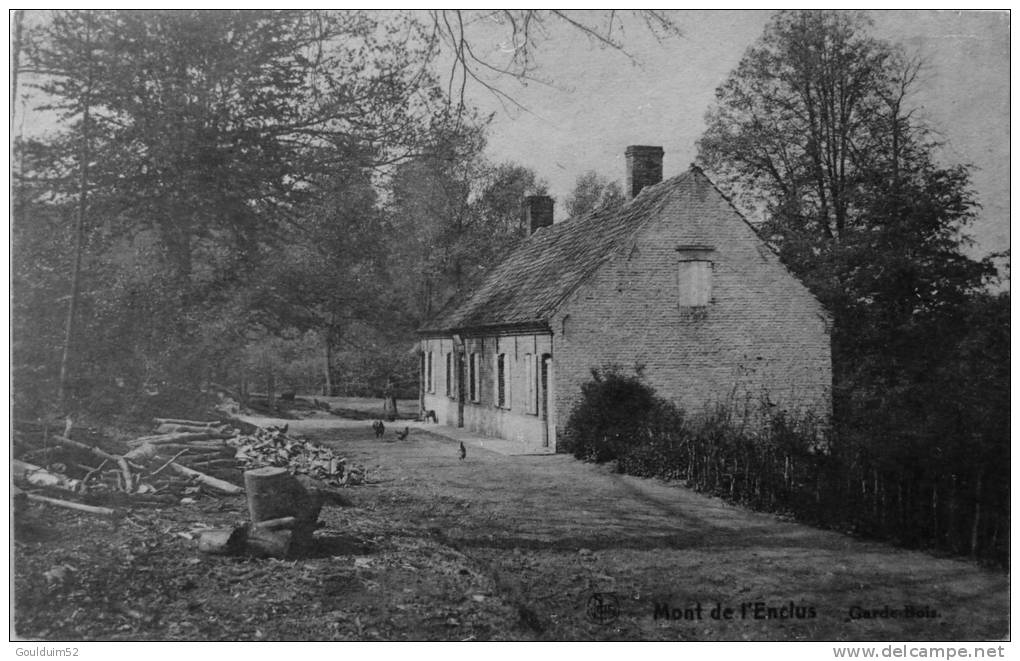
<point>274,495</point>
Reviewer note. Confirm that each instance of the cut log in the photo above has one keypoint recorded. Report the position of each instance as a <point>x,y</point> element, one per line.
<point>273,495</point>
<point>213,463</point>
<point>91,509</point>
<point>148,451</point>
<point>209,481</point>
<point>175,428</point>
<point>266,543</point>
<point>38,476</point>
<point>223,541</point>
<point>189,423</point>
<point>277,524</point>
<point>197,446</point>
<point>180,437</point>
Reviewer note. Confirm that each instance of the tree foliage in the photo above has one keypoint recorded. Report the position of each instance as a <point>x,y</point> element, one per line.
<point>453,216</point>
<point>815,127</point>
<point>815,131</point>
<point>592,192</point>
<point>217,143</point>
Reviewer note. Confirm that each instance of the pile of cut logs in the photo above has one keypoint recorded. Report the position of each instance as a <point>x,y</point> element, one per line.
<point>180,460</point>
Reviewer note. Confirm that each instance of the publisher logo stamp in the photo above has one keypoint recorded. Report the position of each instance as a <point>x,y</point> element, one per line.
<point>603,607</point>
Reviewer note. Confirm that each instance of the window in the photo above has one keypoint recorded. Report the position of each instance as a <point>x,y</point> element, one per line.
<point>475,377</point>
<point>428,374</point>
<point>695,278</point>
<point>449,375</point>
<point>531,406</point>
<point>502,399</point>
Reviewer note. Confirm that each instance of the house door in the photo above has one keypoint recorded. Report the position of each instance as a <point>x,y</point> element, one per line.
<point>545,398</point>
<point>460,389</point>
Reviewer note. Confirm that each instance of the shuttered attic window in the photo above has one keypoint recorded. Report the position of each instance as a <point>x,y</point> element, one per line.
<point>695,278</point>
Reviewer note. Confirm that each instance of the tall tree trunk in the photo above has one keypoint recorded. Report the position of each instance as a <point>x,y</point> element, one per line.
<point>79,242</point>
<point>975,529</point>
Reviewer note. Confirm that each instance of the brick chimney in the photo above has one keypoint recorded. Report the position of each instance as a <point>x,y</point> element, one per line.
<point>644,167</point>
<point>538,212</point>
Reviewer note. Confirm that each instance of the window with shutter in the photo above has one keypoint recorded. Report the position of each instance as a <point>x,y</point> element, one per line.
<point>473,377</point>
<point>449,375</point>
<point>531,406</point>
<point>695,283</point>
<point>501,390</point>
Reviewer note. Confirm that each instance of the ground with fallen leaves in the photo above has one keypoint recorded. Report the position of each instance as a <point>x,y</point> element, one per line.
<point>488,548</point>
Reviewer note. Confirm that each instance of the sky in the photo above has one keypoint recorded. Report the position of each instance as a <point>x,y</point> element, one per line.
<point>598,101</point>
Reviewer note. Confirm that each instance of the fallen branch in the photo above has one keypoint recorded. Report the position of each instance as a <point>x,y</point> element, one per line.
<point>85,480</point>
<point>215,483</point>
<point>174,458</point>
<point>91,509</point>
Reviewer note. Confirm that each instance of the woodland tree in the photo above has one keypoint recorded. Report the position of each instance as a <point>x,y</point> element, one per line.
<point>816,130</point>
<point>592,192</point>
<point>207,135</point>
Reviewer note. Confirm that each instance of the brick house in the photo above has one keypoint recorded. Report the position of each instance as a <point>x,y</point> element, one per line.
<point>675,280</point>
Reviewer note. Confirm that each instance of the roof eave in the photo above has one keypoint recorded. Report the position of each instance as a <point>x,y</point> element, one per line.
<point>506,328</point>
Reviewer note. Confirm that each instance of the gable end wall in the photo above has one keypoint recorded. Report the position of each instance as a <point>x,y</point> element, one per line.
<point>763,336</point>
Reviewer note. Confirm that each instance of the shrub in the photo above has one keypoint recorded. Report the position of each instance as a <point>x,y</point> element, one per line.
<point>613,415</point>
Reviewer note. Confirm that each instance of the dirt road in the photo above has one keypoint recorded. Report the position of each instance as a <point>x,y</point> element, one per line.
<point>567,550</point>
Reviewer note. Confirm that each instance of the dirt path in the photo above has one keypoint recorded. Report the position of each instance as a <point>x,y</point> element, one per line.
<point>548,533</point>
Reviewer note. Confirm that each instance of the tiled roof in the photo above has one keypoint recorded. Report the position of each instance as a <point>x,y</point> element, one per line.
<point>532,282</point>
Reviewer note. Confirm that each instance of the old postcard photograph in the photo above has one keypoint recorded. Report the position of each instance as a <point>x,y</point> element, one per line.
<point>522,325</point>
